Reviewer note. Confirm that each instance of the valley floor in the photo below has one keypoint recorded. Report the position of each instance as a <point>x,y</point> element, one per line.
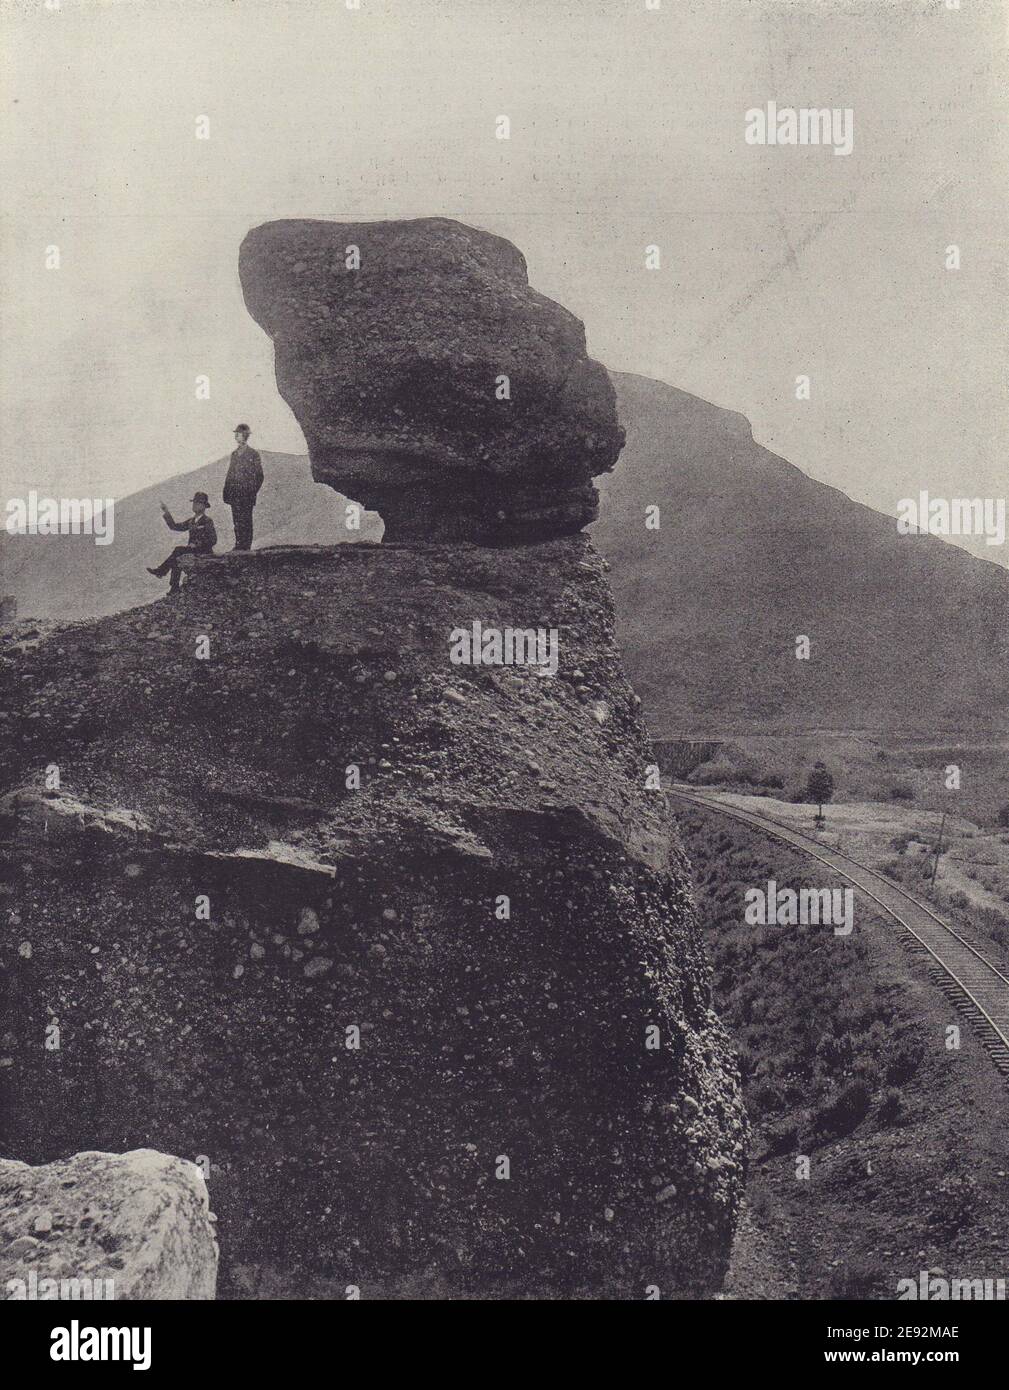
<point>843,1044</point>
<point>971,887</point>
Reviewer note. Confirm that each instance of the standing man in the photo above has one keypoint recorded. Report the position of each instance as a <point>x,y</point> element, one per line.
<point>202,538</point>
<point>245,478</point>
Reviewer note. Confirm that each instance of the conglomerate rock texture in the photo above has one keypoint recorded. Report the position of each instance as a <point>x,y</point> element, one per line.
<point>211,908</point>
<point>393,369</point>
<point>106,1226</point>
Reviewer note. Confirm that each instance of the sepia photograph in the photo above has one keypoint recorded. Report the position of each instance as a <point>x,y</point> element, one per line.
<point>504,670</point>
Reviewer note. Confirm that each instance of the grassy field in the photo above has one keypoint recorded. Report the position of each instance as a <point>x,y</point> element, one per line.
<point>889,770</point>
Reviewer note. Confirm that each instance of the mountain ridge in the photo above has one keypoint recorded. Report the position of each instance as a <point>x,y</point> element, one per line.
<point>751,554</point>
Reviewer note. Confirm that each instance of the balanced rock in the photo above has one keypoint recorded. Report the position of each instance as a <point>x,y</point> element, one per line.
<point>431,383</point>
<point>106,1226</point>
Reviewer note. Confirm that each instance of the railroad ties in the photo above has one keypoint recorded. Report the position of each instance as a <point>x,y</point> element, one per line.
<point>973,985</point>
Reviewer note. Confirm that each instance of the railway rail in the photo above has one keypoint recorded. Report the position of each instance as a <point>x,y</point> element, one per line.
<point>978,988</point>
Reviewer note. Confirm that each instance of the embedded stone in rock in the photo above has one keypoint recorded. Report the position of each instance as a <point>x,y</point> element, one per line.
<point>393,370</point>
<point>108,1226</point>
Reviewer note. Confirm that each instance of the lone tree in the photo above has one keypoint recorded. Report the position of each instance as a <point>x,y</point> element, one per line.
<point>820,787</point>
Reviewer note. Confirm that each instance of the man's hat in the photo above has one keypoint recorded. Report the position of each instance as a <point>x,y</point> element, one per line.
<point>241,427</point>
<point>200,497</point>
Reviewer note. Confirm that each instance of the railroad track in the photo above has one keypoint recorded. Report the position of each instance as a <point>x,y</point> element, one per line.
<point>978,989</point>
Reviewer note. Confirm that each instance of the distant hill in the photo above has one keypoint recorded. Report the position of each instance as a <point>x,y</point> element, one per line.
<point>908,633</point>
<point>72,577</point>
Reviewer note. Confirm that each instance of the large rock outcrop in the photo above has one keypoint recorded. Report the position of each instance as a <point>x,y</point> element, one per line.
<point>397,1080</point>
<point>106,1226</point>
<point>394,366</point>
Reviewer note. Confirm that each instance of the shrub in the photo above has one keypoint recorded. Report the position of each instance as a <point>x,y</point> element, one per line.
<point>857,1281</point>
<point>956,1208</point>
<point>901,1062</point>
<point>1003,814</point>
<point>845,1110</point>
<point>781,1138</point>
<point>712,773</point>
<point>820,786</point>
<point>835,1052</point>
<point>761,1205</point>
<point>867,1070</point>
<point>891,1106</point>
<point>900,791</point>
<point>747,1062</point>
<point>765,1098</point>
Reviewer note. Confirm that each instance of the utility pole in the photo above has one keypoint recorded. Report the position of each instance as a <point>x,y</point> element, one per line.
<point>938,851</point>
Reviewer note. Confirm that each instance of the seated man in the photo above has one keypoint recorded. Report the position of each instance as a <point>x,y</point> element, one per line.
<point>202,538</point>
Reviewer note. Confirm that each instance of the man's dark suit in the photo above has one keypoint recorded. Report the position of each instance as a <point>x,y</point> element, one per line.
<point>241,486</point>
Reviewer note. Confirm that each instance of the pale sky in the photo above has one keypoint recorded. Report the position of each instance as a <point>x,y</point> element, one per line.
<point>627,129</point>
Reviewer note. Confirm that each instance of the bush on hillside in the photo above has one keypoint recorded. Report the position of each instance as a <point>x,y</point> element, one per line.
<point>955,1207</point>
<point>891,1106</point>
<point>901,1061</point>
<point>845,1110</point>
<point>857,1281</point>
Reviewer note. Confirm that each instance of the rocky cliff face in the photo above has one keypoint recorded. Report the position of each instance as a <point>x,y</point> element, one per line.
<point>485,1034</point>
<point>328,883</point>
